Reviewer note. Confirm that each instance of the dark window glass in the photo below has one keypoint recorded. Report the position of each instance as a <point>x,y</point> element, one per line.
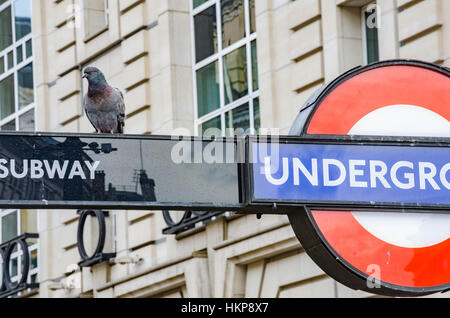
<point>2,65</point>
<point>22,18</point>
<point>14,266</point>
<point>199,2</point>
<point>256,115</point>
<point>26,121</point>
<point>212,128</point>
<point>205,33</point>
<point>252,17</point>
<point>233,21</point>
<point>9,226</point>
<point>28,48</point>
<point>238,121</point>
<point>208,95</point>
<point>255,66</point>
<point>7,96</point>
<point>19,54</point>
<point>235,75</point>
<point>10,56</point>
<point>5,28</point>
<point>371,37</point>
<point>10,126</point>
<point>26,91</point>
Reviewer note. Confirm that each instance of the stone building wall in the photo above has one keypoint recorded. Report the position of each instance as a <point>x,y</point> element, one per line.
<point>144,47</point>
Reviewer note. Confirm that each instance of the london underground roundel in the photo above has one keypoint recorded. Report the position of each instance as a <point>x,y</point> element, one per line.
<point>382,252</point>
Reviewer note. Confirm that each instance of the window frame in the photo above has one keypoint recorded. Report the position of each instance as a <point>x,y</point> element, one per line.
<point>219,57</point>
<point>16,68</point>
<point>364,30</point>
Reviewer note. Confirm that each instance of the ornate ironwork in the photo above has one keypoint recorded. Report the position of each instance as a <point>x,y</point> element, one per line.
<point>187,221</point>
<point>7,287</point>
<point>98,256</point>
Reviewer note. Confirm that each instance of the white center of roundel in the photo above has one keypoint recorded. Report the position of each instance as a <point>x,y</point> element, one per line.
<point>412,230</point>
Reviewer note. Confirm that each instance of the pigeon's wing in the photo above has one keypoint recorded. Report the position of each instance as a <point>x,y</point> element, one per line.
<point>88,115</point>
<point>120,112</point>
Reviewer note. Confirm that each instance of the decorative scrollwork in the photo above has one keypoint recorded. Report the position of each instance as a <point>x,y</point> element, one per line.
<point>7,287</point>
<point>187,221</point>
<point>98,256</point>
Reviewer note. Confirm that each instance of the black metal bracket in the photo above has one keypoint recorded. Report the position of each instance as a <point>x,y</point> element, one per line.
<point>188,221</point>
<point>98,256</point>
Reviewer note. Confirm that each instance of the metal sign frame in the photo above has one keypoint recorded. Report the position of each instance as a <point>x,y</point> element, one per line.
<point>343,140</point>
<point>138,205</point>
<point>248,203</point>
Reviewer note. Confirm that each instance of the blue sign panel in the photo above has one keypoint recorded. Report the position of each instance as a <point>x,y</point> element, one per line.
<point>371,174</point>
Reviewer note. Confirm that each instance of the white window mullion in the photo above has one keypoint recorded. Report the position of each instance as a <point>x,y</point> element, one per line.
<point>220,63</point>
<point>249,65</point>
<point>223,122</point>
<point>206,61</point>
<point>227,108</point>
<point>4,5</point>
<point>13,28</point>
<point>201,7</point>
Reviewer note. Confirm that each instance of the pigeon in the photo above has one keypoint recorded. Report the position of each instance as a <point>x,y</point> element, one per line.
<point>103,104</point>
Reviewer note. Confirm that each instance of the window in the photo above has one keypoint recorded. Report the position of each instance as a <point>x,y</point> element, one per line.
<point>370,25</point>
<point>12,224</point>
<point>96,18</point>
<point>17,111</point>
<point>225,66</point>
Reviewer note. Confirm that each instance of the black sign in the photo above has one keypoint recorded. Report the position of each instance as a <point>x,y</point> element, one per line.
<point>138,172</point>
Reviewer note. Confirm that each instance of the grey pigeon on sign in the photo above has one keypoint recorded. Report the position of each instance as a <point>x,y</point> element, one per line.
<point>103,104</point>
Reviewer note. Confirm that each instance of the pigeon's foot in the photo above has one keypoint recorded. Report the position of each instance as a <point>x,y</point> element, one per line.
<point>112,131</point>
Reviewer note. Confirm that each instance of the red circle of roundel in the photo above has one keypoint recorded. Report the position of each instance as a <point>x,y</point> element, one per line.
<point>341,109</point>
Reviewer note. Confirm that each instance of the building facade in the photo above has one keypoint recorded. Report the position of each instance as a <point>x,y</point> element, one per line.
<point>197,67</point>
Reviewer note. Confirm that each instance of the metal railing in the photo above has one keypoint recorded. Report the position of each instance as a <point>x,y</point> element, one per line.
<point>8,285</point>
